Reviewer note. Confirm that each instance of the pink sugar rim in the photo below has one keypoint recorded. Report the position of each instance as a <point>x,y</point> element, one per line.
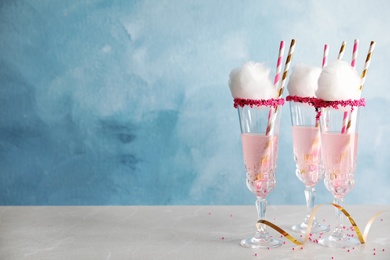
<point>335,104</point>
<point>309,100</point>
<point>272,102</point>
<point>320,103</point>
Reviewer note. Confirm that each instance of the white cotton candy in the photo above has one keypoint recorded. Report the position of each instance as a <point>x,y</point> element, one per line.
<point>338,81</point>
<point>251,81</point>
<point>303,81</point>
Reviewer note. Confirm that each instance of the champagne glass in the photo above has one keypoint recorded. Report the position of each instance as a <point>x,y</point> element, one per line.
<point>339,135</point>
<point>307,157</point>
<point>260,150</point>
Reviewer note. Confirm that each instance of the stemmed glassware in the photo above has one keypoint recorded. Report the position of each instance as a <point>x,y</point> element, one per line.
<point>307,157</point>
<point>260,150</point>
<point>339,135</point>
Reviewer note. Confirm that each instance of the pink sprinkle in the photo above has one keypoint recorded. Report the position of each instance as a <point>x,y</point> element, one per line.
<point>255,254</point>
<point>381,219</point>
<point>374,253</point>
<point>332,257</point>
<point>223,238</point>
<point>383,250</point>
<point>284,242</point>
<point>348,251</point>
<point>374,248</point>
<point>311,234</point>
<point>268,248</point>
<point>293,248</point>
<point>301,247</point>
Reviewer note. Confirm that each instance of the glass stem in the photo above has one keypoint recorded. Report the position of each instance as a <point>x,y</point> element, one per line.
<point>310,194</point>
<point>261,205</point>
<point>339,215</point>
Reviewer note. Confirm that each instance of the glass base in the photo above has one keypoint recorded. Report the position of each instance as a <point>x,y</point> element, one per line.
<point>260,243</point>
<point>339,242</point>
<point>315,228</point>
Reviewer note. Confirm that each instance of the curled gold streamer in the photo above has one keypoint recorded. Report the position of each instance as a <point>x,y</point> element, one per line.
<point>353,223</point>
<point>281,231</point>
<point>362,237</point>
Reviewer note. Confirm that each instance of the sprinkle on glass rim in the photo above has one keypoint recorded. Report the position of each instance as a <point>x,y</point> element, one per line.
<point>320,103</point>
<point>344,103</point>
<point>272,102</point>
<point>309,100</point>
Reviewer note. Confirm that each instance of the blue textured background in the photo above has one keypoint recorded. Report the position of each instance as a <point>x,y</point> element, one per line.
<point>127,102</point>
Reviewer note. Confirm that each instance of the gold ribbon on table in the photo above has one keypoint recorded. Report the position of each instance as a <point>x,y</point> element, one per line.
<point>362,237</point>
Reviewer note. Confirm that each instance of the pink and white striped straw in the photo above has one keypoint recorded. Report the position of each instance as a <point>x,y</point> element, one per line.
<point>287,67</point>
<point>355,53</point>
<point>345,122</point>
<point>339,57</point>
<point>324,63</point>
<point>325,56</point>
<point>279,64</point>
<point>346,116</point>
<point>272,113</point>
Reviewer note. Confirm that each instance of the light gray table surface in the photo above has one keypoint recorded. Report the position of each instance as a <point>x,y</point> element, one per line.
<point>172,232</point>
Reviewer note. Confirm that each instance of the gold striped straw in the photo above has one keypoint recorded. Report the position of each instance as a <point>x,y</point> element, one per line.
<point>287,67</point>
<point>367,64</point>
<point>272,114</point>
<point>342,50</point>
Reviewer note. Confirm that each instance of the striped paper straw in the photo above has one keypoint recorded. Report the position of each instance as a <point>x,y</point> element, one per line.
<point>339,57</point>
<point>279,64</point>
<point>324,63</point>
<point>315,146</point>
<point>355,53</point>
<point>342,50</point>
<point>345,122</point>
<point>272,114</point>
<point>325,56</point>
<point>287,67</point>
<point>367,63</point>
<point>347,116</point>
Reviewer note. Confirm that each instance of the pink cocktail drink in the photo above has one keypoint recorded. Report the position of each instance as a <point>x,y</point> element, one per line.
<point>307,154</point>
<point>259,103</point>
<point>260,156</point>
<point>340,152</point>
<point>260,124</point>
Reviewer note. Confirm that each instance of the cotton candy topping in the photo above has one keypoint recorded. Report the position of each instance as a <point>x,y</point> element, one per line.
<point>303,80</point>
<point>338,81</point>
<point>251,81</point>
